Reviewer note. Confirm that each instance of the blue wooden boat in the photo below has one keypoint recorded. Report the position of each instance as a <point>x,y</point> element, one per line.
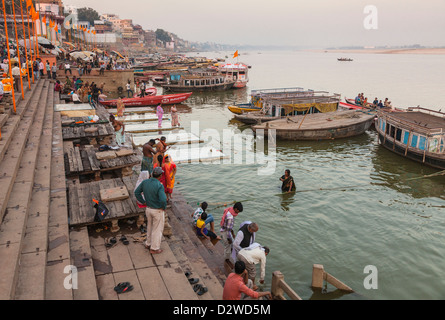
<point>417,134</point>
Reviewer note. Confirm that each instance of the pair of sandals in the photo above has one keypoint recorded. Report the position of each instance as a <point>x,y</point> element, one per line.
<point>112,242</point>
<point>198,288</point>
<point>123,287</point>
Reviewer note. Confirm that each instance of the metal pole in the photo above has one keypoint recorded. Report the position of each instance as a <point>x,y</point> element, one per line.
<point>18,50</point>
<point>9,56</point>
<point>30,50</point>
<point>24,39</point>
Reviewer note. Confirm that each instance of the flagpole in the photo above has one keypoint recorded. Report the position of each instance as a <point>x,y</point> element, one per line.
<point>30,49</point>
<point>18,50</point>
<point>9,56</point>
<point>24,39</point>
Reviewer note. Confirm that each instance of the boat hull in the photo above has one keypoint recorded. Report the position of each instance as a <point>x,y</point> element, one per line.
<point>336,131</point>
<point>429,160</point>
<point>219,87</point>
<point>149,100</point>
<point>240,109</point>
<point>249,119</point>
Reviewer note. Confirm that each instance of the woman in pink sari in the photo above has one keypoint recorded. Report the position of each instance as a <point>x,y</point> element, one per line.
<point>160,114</point>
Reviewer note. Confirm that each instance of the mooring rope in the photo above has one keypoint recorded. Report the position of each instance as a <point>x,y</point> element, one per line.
<point>343,188</point>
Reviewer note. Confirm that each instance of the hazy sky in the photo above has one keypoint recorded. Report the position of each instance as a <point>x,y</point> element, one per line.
<point>314,23</point>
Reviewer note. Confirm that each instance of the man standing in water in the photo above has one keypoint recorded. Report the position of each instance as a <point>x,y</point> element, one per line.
<point>288,182</point>
<point>148,153</point>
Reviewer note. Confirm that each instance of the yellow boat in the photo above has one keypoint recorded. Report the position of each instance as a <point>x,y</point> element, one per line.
<point>241,108</point>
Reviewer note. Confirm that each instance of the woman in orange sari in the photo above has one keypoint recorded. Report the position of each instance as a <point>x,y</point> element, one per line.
<point>169,168</point>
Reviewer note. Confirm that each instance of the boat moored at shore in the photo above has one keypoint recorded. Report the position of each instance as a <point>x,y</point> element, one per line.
<point>417,134</point>
<point>319,126</point>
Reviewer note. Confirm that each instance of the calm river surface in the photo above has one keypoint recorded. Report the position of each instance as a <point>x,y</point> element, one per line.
<point>356,203</point>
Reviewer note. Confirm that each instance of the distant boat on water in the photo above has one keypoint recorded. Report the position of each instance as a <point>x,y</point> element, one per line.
<point>344,59</point>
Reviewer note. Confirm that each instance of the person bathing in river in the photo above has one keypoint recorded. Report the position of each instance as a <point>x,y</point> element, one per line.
<point>288,182</point>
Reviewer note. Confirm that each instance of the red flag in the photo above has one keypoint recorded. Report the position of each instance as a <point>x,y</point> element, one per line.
<point>236,54</point>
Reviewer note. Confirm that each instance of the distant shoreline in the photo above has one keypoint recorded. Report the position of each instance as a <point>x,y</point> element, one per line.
<point>387,51</point>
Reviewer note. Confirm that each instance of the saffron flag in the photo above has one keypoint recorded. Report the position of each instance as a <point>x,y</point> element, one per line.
<point>28,3</point>
<point>236,54</point>
<point>44,19</point>
<point>56,29</point>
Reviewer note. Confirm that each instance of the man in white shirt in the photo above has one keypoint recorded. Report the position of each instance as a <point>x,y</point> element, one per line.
<point>76,99</point>
<point>41,67</point>
<point>68,68</point>
<point>16,75</point>
<point>251,256</point>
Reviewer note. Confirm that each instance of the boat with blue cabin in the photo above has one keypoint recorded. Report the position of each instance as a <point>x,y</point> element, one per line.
<point>415,133</point>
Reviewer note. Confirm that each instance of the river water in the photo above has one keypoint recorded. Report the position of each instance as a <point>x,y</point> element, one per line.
<point>356,204</point>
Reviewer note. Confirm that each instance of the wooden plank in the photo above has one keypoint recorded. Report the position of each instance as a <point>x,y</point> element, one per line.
<point>95,165</point>
<point>78,159</point>
<point>114,194</point>
<point>85,161</point>
<point>124,152</point>
<point>104,155</point>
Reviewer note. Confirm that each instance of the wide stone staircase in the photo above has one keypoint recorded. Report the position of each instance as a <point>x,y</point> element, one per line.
<point>37,247</point>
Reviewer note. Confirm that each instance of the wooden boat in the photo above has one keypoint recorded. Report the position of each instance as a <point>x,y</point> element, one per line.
<point>417,134</point>
<point>237,72</point>
<point>257,97</point>
<point>149,100</point>
<point>349,106</point>
<point>275,107</point>
<point>200,81</point>
<point>242,108</point>
<point>352,102</point>
<point>319,126</point>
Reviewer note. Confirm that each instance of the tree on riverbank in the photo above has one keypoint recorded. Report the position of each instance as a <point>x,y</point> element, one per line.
<point>87,14</point>
<point>163,35</point>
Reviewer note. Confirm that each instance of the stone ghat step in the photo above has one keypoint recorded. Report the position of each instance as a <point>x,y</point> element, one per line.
<point>10,120</point>
<point>190,260</point>
<point>31,277</point>
<point>58,252</point>
<point>153,276</point>
<point>19,128</point>
<point>18,182</point>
